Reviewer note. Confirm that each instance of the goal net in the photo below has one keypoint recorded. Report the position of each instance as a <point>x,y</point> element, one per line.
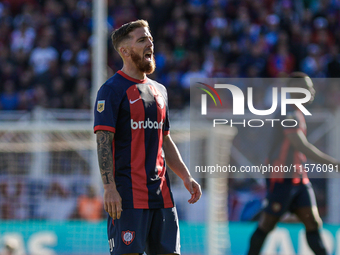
<point>49,172</point>
<point>46,170</point>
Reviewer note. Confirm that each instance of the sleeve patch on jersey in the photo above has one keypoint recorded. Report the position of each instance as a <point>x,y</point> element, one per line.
<point>100,105</point>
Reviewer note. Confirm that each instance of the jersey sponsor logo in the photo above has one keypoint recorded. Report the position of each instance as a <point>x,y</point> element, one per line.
<point>134,101</point>
<point>146,124</point>
<point>128,236</point>
<point>160,101</point>
<point>100,105</point>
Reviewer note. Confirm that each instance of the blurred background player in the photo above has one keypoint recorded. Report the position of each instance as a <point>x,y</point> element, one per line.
<point>133,138</point>
<point>292,191</point>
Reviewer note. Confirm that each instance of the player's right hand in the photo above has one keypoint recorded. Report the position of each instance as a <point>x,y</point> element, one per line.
<point>112,202</point>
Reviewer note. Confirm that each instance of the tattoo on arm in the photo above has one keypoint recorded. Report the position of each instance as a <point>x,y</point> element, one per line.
<point>105,157</point>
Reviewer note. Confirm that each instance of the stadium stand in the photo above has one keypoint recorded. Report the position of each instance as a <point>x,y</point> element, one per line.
<point>45,53</point>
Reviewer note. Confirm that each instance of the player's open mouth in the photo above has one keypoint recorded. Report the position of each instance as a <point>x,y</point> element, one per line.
<point>148,56</point>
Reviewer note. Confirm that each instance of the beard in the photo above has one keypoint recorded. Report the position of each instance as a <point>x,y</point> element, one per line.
<point>143,65</point>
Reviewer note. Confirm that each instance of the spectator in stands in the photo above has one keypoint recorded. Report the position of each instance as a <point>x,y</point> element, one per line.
<point>194,72</point>
<point>90,206</point>
<point>56,92</point>
<point>82,95</point>
<point>254,58</point>
<point>12,201</point>
<point>333,66</point>
<point>313,63</point>
<point>9,99</point>
<point>23,37</point>
<point>281,62</point>
<point>42,56</point>
<point>58,204</point>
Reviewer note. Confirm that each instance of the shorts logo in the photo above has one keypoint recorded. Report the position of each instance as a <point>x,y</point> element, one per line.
<point>160,101</point>
<point>128,236</point>
<point>276,207</point>
<point>101,105</point>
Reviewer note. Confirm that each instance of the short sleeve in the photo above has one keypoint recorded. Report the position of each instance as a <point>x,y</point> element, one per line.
<point>106,109</point>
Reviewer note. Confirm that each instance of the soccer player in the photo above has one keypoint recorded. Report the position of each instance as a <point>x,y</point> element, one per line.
<point>292,193</point>
<point>133,141</point>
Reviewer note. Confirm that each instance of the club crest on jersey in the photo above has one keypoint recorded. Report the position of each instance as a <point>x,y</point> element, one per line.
<point>128,236</point>
<point>100,105</point>
<point>160,101</point>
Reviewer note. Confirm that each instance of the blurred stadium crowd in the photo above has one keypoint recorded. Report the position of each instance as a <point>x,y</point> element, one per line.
<point>54,198</point>
<point>45,45</point>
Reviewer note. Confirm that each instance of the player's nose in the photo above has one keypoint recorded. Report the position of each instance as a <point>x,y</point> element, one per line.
<point>150,43</point>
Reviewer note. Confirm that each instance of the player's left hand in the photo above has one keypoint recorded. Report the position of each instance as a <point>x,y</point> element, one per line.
<point>194,188</point>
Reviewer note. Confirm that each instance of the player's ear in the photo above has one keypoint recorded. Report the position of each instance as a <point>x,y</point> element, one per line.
<point>124,51</point>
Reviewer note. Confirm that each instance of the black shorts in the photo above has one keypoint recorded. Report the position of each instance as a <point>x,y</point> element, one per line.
<point>154,231</point>
<point>286,196</point>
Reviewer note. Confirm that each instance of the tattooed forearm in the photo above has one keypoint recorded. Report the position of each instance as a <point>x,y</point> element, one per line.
<point>105,157</point>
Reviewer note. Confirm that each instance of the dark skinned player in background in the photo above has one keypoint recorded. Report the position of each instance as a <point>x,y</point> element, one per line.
<point>292,193</point>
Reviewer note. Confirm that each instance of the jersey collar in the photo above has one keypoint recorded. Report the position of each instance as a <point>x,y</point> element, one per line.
<point>130,78</point>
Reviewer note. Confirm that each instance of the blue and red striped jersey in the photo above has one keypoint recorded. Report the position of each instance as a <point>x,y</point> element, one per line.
<point>282,152</point>
<point>137,112</point>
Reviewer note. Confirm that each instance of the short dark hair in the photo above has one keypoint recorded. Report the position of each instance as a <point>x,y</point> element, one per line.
<point>123,32</point>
